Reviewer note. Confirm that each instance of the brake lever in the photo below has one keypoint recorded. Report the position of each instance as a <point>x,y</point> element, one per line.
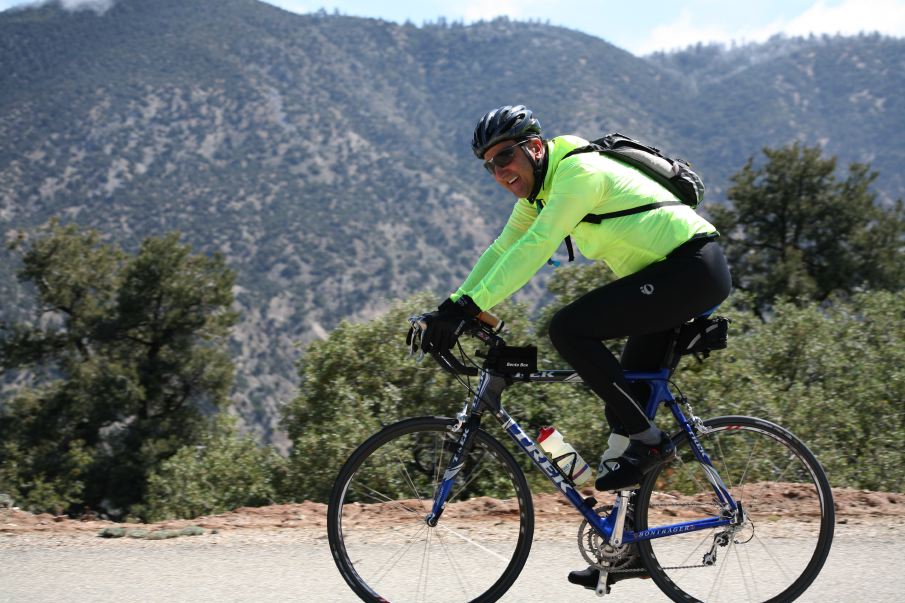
<point>482,330</point>
<point>413,339</point>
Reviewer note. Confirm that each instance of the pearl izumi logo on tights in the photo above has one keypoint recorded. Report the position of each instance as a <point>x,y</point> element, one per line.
<point>647,289</point>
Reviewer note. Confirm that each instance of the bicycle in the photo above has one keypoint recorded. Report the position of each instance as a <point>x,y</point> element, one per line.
<point>403,513</point>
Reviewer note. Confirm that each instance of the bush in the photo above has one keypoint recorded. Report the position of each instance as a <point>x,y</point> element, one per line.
<point>225,472</point>
<point>358,380</point>
<point>834,376</point>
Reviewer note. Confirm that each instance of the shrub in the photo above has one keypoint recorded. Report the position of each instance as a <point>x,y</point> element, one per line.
<point>225,472</point>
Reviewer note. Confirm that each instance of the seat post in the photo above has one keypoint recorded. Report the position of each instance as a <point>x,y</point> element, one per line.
<point>671,359</point>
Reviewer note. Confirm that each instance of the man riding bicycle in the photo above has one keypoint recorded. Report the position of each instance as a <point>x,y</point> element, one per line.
<point>669,267</point>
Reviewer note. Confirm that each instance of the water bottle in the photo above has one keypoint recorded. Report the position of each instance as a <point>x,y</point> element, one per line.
<point>564,455</point>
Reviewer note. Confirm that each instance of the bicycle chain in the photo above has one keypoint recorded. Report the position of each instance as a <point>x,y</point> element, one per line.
<point>638,570</point>
<point>683,505</point>
<point>634,570</point>
<point>673,567</point>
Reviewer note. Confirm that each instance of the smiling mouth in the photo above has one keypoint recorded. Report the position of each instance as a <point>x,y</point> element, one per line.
<point>514,178</point>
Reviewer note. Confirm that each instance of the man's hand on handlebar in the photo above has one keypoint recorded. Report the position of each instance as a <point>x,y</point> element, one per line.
<point>446,324</point>
<point>437,332</point>
<point>484,327</point>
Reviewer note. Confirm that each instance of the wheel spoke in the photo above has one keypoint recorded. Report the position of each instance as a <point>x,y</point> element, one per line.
<point>776,562</point>
<point>747,465</point>
<point>473,543</point>
<point>474,474</point>
<point>395,558</point>
<point>457,570</point>
<point>397,555</point>
<point>425,567</point>
<point>749,579</point>
<point>383,498</point>
<point>408,478</point>
<point>720,576</point>
<point>759,562</point>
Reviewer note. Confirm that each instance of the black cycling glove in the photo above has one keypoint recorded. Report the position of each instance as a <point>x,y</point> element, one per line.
<point>446,324</point>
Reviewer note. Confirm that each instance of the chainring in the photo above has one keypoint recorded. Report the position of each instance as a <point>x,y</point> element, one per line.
<point>599,553</point>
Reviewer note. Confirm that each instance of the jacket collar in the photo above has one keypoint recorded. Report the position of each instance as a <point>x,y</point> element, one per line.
<point>557,148</point>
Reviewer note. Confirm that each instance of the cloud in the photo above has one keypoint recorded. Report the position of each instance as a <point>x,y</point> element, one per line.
<point>477,10</point>
<point>682,32</point>
<point>848,17</point>
<point>98,6</point>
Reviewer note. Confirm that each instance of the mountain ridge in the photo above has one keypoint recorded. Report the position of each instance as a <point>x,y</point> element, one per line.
<point>327,156</point>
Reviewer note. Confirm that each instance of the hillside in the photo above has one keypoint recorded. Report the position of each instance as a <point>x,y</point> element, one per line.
<point>843,93</point>
<point>327,156</point>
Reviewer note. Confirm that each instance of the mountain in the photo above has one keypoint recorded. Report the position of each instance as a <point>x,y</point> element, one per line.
<point>327,156</point>
<point>844,93</point>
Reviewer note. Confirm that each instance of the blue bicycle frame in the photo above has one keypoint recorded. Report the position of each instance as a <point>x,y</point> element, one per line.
<point>488,397</point>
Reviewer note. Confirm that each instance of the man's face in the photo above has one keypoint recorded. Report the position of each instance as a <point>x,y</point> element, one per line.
<point>517,176</point>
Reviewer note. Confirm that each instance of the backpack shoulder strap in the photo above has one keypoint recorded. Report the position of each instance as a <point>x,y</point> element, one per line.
<point>589,148</point>
<point>595,147</point>
<point>598,218</point>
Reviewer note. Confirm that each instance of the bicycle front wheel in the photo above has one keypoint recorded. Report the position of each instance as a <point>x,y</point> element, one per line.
<point>376,518</point>
<point>778,549</point>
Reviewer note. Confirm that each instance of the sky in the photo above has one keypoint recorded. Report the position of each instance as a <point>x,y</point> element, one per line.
<point>640,27</point>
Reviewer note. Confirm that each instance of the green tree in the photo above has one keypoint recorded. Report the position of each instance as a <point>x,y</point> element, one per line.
<point>124,358</point>
<point>794,229</point>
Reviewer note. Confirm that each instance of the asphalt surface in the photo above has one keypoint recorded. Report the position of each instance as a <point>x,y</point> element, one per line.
<point>866,564</point>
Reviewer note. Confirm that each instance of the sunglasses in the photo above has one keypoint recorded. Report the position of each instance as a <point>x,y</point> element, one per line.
<point>503,158</point>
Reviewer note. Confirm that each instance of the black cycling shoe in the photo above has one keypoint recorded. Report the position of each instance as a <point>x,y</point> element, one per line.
<point>588,577</point>
<point>627,471</point>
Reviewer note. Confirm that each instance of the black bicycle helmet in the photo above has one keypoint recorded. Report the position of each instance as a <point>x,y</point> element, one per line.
<point>506,123</point>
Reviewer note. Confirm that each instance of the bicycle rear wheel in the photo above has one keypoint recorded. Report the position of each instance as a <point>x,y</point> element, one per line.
<point>384,548</point>
<point>779,548</point>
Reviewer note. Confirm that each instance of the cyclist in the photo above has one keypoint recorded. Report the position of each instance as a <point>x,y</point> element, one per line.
<point>669,267</point>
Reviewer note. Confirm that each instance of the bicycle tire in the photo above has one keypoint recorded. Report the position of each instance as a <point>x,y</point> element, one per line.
<point>776,478</point>
<point>407,458</point>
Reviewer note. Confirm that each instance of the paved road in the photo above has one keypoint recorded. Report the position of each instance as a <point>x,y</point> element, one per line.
<point>278,566</point>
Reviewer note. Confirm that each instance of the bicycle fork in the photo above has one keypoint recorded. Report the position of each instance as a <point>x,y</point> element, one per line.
<point>455,465</point>
<point>489,394</point>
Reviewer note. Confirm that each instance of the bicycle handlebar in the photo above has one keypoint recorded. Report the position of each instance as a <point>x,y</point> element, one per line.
<point>490,320</point>
<point>450,363</point>
<point>484,327</point>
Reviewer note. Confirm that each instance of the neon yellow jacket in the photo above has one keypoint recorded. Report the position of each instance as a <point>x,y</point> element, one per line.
<point>586,183</point>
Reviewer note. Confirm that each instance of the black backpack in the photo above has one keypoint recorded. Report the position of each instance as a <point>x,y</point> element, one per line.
<point>674,174</point>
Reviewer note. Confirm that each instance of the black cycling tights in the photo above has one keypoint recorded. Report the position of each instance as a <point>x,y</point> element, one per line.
<point>645,307</point>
